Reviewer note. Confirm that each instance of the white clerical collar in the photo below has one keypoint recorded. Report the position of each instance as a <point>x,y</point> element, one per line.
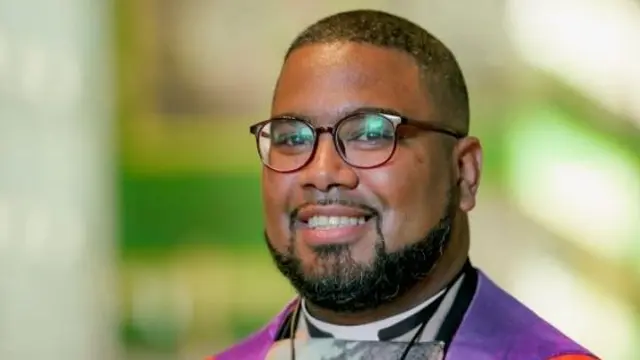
<point>365,332</point>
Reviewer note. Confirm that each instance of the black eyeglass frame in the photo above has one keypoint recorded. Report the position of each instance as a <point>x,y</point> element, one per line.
<point>394,119</point>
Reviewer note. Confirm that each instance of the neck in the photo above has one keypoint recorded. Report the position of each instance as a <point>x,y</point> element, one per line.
<point>449,265</point>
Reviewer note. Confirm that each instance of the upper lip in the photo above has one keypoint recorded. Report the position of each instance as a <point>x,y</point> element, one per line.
<point>307,212</point>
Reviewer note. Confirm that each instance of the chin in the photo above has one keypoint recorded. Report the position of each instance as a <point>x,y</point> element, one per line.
<point>324,269</point>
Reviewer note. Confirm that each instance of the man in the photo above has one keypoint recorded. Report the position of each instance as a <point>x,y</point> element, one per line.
<point>368,175</point>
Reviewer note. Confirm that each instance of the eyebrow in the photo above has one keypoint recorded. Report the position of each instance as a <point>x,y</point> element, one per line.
<point>342,113</point>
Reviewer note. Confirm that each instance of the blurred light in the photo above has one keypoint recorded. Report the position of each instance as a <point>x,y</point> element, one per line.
<point>4,226</point>
<point>162,307</point>
<point>565,300</point>
<point>72,242</point>
<point>183,307</point>
<point>6,83</point>
<point>581,187</point>
<point>34,73</point>
<point>149,304</point>
<point>68,82</point>
<point>3,52</point>
<point>592,44</point>
<point>36,235</point>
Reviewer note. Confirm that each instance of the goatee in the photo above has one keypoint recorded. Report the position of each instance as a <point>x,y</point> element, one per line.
<point>347,286</point>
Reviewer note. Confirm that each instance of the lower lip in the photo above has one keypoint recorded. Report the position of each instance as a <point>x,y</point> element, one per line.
<point>332,236</point>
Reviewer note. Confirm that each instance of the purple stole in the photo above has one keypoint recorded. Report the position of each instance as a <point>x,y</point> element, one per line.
<point>495,327</point>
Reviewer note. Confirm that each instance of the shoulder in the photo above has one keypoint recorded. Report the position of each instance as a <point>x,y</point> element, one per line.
<point>257,344</point>
<point>497,323</point>
<point>249,348</point>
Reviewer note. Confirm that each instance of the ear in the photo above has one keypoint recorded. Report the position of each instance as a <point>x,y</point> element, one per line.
<point>468,158</point>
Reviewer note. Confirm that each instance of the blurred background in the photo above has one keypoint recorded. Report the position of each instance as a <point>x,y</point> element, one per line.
<point>130,214</point>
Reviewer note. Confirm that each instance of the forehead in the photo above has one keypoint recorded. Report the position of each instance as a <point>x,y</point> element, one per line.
<point>327,80</point>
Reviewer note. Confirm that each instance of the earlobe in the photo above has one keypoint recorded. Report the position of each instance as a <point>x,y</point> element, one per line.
<point>469,155</point>
<point>467,197</point>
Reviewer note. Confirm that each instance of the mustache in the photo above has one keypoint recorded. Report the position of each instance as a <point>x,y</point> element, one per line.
<point>334,200</point>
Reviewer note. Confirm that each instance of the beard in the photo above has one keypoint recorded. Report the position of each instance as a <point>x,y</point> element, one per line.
<point>341,284</point>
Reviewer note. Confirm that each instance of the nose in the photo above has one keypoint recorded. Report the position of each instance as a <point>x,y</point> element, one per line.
<point>327,169</point>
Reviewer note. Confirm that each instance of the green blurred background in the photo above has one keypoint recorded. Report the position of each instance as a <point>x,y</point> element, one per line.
<point>165,93</point>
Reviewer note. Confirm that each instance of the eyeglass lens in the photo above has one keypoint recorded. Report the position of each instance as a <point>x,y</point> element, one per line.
<point>363,140</point>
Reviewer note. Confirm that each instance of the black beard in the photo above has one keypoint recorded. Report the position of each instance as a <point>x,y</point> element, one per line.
<point>346,286</point>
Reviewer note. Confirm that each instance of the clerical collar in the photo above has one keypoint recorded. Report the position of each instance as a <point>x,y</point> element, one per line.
<point>365,332</point>
<point>443,313</point>
<point>437,312</point>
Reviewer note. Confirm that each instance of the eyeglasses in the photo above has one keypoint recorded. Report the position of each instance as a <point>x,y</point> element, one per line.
<point>364,140</point>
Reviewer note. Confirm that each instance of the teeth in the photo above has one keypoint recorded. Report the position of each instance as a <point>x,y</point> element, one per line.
<point>329,222</point>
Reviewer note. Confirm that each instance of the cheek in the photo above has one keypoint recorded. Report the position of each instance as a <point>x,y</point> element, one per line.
<point>275,192</point>
<point>405,189</point>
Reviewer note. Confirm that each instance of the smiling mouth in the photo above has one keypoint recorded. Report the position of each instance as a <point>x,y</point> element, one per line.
<point>320,229</point>
<point>329,217</point>
<point>332,224</point>
<point>324,222</point>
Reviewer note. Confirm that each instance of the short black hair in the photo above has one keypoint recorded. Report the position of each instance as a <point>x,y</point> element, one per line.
<point>440,70</point>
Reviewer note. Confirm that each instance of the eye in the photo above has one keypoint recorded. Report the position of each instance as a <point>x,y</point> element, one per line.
<point>292,139</point>
<point>368,128</point>
<point>291,133</point>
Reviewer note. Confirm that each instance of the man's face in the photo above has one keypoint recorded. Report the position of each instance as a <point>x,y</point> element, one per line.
<point>380,224</point>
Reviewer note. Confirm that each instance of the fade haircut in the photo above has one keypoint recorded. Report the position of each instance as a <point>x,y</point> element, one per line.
<point>440,72</point>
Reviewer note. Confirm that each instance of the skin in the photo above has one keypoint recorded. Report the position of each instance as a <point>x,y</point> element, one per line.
<point>325,82</point>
